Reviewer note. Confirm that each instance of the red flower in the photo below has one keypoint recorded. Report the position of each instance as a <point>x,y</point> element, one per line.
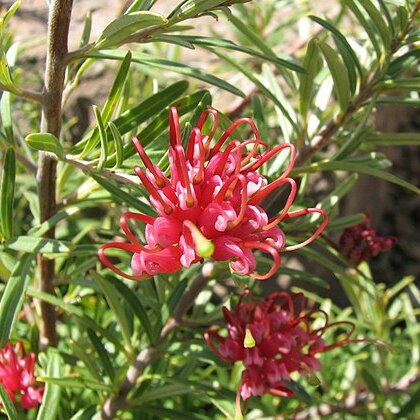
<point>17,376</point>
<point>272,338</point>
<point>208,204</point>
<point>361,242</point>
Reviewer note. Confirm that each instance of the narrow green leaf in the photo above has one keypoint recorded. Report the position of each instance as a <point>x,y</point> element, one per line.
<point>12,299</point>
<point>192,8</point>
<point>123,196</point>
<point>112,297</point>
<point>343,187</point>
<point>370,29</point>
<point>340,223</point>
<point>303,275</point>
<point>393,139</point>
<point>403,62</point>
<point>378,21</point>
<point>103,138</point>
<point>110,105</point>
<point>254,79</point>
<point>357,167</point>
<point>78,312</point>
<point>51,401</point>
<point>4,19</point>
<point>45,142</point>
<point>119,30</point>
<point>118,145</point>
<point>87,413</point>
<point>339,74</point>
<point>7,194</point>
<point>87,29</point>
<point>33,244</point>
<point>7,404</point>
<point>6,78</point>
<point>102,353</point>
<point>76,383</point>
<point>6,117</point>
<point>191,40</point>
<point>90,363</point>
<point>410,406</point>
<point>349,56</point>
<point>131,298</point>
<point>148,108</point>
<point>311,64</point>
<point>172,66</point>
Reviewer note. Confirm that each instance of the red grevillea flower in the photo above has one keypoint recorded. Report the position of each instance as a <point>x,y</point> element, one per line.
<point>17,376</point>
<point>208,204</point>
<point>272,338</point>
<point>361,242</point>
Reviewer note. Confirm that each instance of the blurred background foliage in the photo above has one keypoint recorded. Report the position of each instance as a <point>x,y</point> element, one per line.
<point>338,80</point>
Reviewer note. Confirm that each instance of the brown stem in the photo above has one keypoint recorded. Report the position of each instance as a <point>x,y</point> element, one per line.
<point>58,28</point>
<point>149,354</point>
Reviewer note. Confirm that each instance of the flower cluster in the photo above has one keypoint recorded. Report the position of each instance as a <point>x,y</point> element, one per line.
<point>272,338</point>
<point>208,204</point>
<point>17,376</point>
<point>361,242</point>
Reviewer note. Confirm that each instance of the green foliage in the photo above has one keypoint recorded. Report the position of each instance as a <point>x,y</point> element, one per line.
<point>318,92</point>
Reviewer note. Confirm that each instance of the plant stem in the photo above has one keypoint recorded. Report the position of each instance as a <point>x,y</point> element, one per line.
<point>149,354</point>
<point>58,28</point>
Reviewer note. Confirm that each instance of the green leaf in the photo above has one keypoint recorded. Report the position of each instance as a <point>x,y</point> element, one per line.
<point>46,142</point>
<point>190,41</point>
<point>131,298</point>
<point>344,186</point>
<point>410,406</point>
<point>7,194</point>
<point>347,53</point>
<point>172,66</point>
<point>125,26</point>
<point>303,275</point>
<point>103,138</point>
<point>254,79</point>
<point>4,19</point>
<point>378,21</point>
<point>51,401</point>
<point>87,29</point>
<point>339,74</point>
<point>192,8</point>
<point>311,64</point>
<point>6,80</point>
<point>12,299</point>
<point>102,353</point>
<point>123,196</point>
<point>370,29</point>
<point>118,145</point>
<point>76,383</point>
<point>6,117</point>
<point>393,139</point>
<point>340,223</point>
<point>118,310</point>
<point>33,244</point>
<point>78,312</point>
<point>357,167</point>
<point>7,404</point>
<point>110,105</point>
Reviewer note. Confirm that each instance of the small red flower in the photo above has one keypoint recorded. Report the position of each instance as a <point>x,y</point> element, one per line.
<point>17,376</point>
<point>361,242</point>
<point>272,338</point>
<point>208,204</point>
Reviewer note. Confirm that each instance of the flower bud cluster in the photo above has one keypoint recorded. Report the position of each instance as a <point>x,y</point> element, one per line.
<point>361,242</point>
